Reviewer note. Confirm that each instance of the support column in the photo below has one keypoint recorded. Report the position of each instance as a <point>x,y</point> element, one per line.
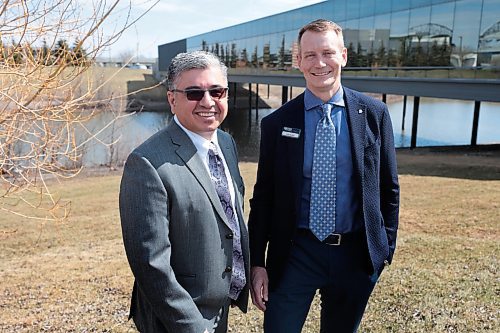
<point>414,124</point>
<point>284,94</point>
<point>256,101</point>
<point>235,87</point>
<point>475,123</point>
<point>404,113</point>
<point>249,96</point>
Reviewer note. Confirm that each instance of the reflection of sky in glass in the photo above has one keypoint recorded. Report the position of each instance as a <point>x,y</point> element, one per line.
<point>419,16</point>
<point>466,30</point>
<point>399,24</point>
<point>443,14</point>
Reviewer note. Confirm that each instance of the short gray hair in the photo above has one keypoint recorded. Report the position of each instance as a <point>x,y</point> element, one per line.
<point>192,60</point>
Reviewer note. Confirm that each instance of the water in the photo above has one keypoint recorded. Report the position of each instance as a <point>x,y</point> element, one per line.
<point>441,122</point>
<point>444,122</point>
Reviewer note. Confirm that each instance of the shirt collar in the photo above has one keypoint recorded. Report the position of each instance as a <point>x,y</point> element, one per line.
<point>202,145</point>
<point>311,101</point>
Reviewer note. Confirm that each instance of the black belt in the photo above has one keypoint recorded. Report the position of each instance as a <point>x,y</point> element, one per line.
<point>332,239</point>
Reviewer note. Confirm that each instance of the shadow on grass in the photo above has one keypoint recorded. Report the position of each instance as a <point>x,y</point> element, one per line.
<point>464,162</point>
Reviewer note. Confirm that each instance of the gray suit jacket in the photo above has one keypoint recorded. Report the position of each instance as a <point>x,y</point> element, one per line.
<point>177,238</point>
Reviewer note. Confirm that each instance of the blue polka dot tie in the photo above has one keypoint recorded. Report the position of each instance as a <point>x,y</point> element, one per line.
<point>219,179</point>
<point>324,181</point>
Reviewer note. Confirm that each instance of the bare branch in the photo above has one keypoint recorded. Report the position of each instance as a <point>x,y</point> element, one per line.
<point>48,94</point>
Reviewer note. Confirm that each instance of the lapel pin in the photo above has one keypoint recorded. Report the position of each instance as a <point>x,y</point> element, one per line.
<point>360,111</point>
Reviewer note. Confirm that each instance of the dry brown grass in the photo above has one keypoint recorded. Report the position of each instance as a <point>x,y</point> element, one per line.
<point>74,277</point>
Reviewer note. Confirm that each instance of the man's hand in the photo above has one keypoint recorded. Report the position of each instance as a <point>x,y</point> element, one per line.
<point>259,283</point>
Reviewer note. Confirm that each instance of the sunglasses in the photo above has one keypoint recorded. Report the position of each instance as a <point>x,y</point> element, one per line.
<point>198,94</point>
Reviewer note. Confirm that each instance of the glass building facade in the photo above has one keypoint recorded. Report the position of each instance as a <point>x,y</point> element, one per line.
<point>378,34</point>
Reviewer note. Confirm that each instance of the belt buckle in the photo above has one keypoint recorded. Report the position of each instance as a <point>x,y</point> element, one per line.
<point>333,239</point>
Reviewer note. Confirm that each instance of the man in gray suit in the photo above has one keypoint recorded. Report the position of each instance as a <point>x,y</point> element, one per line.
<point>181,201</point>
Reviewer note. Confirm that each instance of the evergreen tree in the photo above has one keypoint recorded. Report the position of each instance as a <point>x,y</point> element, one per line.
<point>244,56</point>
<point>403,56</point>
<point>61,52</point>
<point>44,56</point>
<point>266,55</point>
<point>79,55</point>
<point>381,57</point>
<point>281,55</point>
<point>217,49</point>
<point>361,57</point>
<point>223,55</point>
<point>444,54</point>
<point>352,56</point>
<point>234,56</point>
<point>255,59</point>
<point>392,58</point>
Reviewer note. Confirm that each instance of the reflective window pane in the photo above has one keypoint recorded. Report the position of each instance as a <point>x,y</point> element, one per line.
<point>400,5</point>
<point>489,38</point>
<point>466,32</point>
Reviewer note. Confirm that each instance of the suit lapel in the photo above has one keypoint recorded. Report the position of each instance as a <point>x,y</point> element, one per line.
<point>187,152</point>
<point>356,119</point>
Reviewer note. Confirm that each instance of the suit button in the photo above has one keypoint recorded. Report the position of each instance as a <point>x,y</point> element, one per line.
<point>229,236</point>
<point>228,269</point>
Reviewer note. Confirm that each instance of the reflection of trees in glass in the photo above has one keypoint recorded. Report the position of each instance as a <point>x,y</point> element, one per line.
<point>266,59</point>
<point>223,55</point>
<point>243,58</point>
<point>392,58</point>
<point>217,49</point>
<point>233,56</point>
<point>228,57</point>
<point>361,57</point>
<point>418,57</point>
<point>255,59</point>
<point>352,56</point>
<point>403,52</point>
<point>380,58</point>
<point>281,54</point>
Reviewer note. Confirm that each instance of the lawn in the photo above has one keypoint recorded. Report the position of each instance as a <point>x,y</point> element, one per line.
<point>73,276</point>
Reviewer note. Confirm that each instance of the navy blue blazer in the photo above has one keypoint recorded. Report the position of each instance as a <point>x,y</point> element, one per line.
<point>275,206</point>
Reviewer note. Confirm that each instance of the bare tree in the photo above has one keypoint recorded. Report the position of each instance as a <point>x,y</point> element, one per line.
<point>45,96</point>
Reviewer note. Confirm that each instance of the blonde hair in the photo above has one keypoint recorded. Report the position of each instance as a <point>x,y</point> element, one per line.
<point>321,25</point>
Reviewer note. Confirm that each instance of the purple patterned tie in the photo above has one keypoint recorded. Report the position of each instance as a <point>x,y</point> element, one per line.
<point>218,176</point>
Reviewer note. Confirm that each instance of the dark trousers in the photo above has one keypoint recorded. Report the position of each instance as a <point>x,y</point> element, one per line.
<point>340,273</point>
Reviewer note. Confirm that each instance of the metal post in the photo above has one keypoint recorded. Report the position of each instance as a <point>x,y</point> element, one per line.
<point>404,113</point>
<point>384,98</point>
<point>268,90</point>
<point>234,94</point>
<point>250,96</point>
<point>284,94</point>
<point>291,93</point>
<point>414,124</point>
<point>475,123</point>
<point>256,101</point>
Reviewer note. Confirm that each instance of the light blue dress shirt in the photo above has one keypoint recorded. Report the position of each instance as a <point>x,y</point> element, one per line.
<point>346,211</point>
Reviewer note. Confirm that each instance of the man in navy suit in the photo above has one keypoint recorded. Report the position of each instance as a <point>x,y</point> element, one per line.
<point>346,264</point>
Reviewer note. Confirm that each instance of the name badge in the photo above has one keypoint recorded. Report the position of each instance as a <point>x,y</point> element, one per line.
<point>289,132</point>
